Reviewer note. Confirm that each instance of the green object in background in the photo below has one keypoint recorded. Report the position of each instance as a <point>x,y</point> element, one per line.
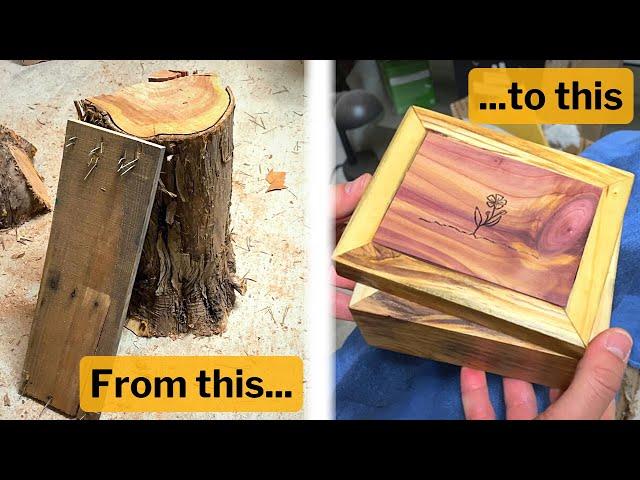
<point>408,82</point>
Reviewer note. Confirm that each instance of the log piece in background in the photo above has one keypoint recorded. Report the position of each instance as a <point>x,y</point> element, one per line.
<point>22,193</point>
<point>186,281</point>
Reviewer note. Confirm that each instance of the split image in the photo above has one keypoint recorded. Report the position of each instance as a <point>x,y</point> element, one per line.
<point>173,186</point>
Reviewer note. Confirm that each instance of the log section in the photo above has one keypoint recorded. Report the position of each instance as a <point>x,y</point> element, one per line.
<point>186,280</point>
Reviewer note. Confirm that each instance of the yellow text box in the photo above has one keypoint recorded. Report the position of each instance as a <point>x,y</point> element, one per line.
<point>551,95</point>
<point>191,384</point>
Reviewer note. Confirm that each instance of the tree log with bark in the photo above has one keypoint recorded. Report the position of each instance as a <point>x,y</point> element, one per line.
<point>186,280</point>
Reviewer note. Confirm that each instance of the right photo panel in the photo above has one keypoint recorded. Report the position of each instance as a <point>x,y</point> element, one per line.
<point>486,239</point>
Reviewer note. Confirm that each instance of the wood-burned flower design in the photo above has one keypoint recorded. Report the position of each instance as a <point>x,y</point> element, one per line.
<point>496,203</point>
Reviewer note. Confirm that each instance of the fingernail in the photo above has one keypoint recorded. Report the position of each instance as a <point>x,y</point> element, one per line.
<point>619,343</point>
<point>349,186</point>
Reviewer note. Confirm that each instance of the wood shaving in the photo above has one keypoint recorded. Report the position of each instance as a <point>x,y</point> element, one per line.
<point>276,180</point>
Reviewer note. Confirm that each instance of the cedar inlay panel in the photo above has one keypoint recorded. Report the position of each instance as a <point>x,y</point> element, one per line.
<point>486,215</point>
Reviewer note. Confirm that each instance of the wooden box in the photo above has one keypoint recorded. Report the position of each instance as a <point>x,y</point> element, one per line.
<point>508,236</point>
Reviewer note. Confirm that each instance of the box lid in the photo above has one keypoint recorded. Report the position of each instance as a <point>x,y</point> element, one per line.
<point>494,229</point>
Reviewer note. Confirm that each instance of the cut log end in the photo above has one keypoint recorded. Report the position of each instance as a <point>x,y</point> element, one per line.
<point>185,105</point>
<point>186,280</point>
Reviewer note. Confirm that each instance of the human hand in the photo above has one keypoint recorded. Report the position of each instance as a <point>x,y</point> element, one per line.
<point>347,196</point>
<point>591,395</point>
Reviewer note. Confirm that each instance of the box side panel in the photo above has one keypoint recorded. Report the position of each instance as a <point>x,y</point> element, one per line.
<point>451,346</point>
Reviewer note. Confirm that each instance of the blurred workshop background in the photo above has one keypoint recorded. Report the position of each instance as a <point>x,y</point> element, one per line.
<point>373,95</point>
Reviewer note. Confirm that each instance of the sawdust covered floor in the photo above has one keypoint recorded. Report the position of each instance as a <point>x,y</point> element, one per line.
<point>270,228</point>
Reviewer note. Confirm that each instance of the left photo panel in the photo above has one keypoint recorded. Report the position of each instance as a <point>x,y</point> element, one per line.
<point>152,239</point>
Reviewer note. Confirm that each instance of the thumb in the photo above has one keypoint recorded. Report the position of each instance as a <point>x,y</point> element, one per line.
<point>597,380</point>
<point>347,195</point>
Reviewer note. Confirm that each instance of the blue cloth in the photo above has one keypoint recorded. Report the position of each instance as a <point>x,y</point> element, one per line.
<point>376,384</point>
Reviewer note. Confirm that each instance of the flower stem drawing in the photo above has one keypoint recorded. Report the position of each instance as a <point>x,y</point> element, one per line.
<point>496,203</point>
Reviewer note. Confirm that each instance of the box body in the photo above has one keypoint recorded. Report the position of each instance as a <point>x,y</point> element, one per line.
<point>395,324</point>
<point>392,323</point>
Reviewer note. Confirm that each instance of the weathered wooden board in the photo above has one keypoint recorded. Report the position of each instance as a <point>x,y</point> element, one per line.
<point>486,215</point>
<point>392,323</point>
<point>97,233</point>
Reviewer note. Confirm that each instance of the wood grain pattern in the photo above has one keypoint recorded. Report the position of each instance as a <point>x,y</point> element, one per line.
<point>520,315</point>
<point>395,324</point>
<point>486,215</point>
<point>581,168</point>
<point>32,177</point>
<point>603,317</point>
<point>616,184</point>
<point>182,106</point>
<point>392,323</point>
<point>490,305</point>
<point>97,232</point>
<point>379,193</point>
<point>22,192</point>
<point>606,229</point>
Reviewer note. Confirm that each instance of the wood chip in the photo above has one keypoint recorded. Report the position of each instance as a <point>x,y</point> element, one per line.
<point>165,75</point>
<point>15,256</point>
<point>276,180</point>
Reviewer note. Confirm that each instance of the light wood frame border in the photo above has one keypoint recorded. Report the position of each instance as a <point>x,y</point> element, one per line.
<point>565,330</point>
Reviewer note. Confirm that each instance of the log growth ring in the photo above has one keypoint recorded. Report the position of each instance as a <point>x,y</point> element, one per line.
<point>184,106</point>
